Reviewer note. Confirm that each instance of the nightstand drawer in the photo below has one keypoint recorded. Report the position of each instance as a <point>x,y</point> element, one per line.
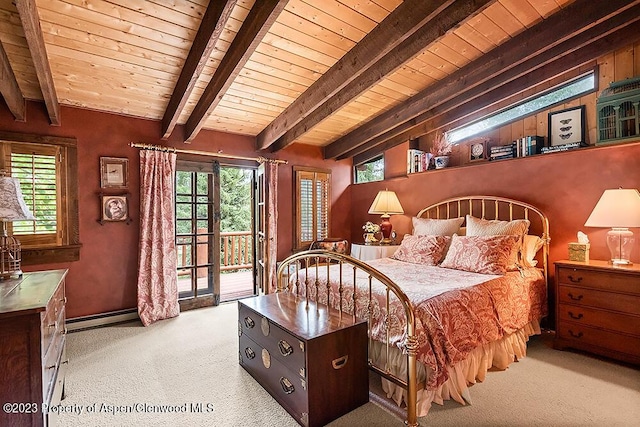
<point>599,299</point>
<point>587,336</point>
<point>598,318</point>
<point>599,280</point>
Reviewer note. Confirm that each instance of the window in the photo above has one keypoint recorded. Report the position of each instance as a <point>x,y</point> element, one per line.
<point>569,90</point>
<point>312,215</point>
<point>369,171</point>
<point>46,169</point>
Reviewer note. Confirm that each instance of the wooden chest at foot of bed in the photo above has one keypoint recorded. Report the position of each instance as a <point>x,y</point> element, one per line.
<point>311,359</point>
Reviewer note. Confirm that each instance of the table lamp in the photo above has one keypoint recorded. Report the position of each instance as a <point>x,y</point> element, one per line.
<point>386,204</point>
<point>618,209</point>
<point>12,208</point>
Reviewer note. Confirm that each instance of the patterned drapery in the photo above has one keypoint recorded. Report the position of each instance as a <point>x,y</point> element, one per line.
<point>272,223</point>
<point>157,266</point>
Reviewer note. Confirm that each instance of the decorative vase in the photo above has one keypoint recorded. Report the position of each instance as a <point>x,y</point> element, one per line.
<point>369,238</point>
<point>441,161</point>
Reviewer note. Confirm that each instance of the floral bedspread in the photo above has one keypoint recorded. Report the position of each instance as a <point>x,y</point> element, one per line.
<point>455,311</point>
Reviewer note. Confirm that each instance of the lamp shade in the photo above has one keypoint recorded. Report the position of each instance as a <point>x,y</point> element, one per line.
<point>616,208</point>
<point>12,205</point>
<point>386,203</point>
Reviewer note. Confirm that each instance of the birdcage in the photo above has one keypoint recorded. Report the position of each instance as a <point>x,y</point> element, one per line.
<point>618,112</point>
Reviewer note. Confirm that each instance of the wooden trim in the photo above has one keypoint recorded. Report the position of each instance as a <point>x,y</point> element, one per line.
<point>50,255</point>
<point>262,15</point>
<point>211,27</point>
<point>9,88</point>
<point>33,33</point>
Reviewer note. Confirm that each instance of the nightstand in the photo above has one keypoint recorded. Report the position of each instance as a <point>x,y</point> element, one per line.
<point>367,252</point>
<point>598,309</point>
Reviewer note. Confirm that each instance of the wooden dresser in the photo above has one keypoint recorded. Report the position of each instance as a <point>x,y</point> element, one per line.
<point>32,351</point>
<point>311,360</point>
<point>598,309</point>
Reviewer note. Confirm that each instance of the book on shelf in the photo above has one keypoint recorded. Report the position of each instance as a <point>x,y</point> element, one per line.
<point>417,160</point>
<point>561,147</point>
<point>529,145</point>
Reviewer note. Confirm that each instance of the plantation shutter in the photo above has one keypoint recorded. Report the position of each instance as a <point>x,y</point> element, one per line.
<point>36,169</point>
<point>312,207</point>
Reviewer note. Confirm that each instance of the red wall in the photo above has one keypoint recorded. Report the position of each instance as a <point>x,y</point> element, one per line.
<point>104,279</point>
<point>566,186</point>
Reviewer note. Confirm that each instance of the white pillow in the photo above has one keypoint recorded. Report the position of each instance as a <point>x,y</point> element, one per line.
<point>530,247</point>
<point>436,227</point>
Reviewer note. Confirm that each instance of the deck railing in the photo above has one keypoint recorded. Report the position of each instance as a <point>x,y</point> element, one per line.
<point>236,250</point>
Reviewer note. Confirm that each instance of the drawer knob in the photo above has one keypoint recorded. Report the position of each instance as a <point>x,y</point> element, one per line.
<point>575,280</point>
<point>574,316</point>
<point>286,385</point>
<point>249,353</point>
<point>285,348</point>
<point>578,298</point>
<point>339,362</point>
<point>249,323</point>
<point>573,334</point>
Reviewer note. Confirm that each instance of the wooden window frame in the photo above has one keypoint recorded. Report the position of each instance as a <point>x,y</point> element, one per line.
<point>315,175</point>
<point>67,245</point>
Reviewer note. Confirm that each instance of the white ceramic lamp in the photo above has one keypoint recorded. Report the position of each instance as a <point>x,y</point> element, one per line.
<point>618,209</point>
<point>386,204</point>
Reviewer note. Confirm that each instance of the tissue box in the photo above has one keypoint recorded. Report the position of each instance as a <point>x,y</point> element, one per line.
<point>579,252</point>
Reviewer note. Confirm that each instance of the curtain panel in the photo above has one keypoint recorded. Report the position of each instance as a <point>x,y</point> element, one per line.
<point>272,224</point>
<point>157,266</point>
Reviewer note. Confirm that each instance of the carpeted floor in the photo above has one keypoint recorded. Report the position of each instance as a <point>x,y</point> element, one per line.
<point>185,372</point>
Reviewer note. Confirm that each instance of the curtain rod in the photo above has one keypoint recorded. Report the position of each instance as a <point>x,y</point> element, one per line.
<point>204,153</point>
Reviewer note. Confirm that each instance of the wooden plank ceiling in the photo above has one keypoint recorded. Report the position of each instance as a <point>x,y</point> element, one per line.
<point>347,75</point>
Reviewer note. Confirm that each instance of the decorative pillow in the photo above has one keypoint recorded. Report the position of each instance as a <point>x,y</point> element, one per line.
<point>530,247</point>
<point>494,227</point>
<point>482,254</point>
<point>436,227</point>
<point>427,250</point>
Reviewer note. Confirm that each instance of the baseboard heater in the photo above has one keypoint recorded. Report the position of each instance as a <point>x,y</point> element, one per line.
<point>102,319</point>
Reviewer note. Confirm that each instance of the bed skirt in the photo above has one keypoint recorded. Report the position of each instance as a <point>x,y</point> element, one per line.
<point>498,354</point>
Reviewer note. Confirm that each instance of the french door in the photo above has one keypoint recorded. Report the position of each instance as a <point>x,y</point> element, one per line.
<point>198,233</point>
<point>214,233</point>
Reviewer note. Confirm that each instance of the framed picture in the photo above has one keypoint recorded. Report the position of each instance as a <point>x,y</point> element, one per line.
<point>114,172</point>
<point>567,127</point>
<point>477,150</point>
<point>115,208</point>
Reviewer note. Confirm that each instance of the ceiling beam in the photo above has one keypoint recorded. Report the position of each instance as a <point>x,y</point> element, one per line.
<point>9,88</point>
<point>260,18</point>
<point>30,19</point>
<point>211,27</point>
<point>583,15</point>
<point>460,107</point>
<point>447,19</point>
<point>401,23</point>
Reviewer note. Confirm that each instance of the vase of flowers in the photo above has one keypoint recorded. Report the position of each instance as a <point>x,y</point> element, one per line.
<point>370,231</point>
<point>441,149</point>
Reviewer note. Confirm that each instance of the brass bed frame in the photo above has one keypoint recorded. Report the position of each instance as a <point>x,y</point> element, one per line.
<point>486,207</point>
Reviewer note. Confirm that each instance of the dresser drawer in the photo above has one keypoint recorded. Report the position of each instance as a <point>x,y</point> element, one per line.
<point>51,359</point>
<point>280,343</point>
<point>599,318</point>
<point>599,280</point>
<point>282,383</point>
<point>603,339</point>
<point>52,323</point>
<point>599,299</point>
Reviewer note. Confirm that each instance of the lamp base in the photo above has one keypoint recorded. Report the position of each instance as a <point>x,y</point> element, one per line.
<point>620,242</point>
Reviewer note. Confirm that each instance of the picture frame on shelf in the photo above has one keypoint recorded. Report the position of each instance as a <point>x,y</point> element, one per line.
<point>567,126</point>
<point>114,172</point>
<point>478,150</point>
<point>114,208</point>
